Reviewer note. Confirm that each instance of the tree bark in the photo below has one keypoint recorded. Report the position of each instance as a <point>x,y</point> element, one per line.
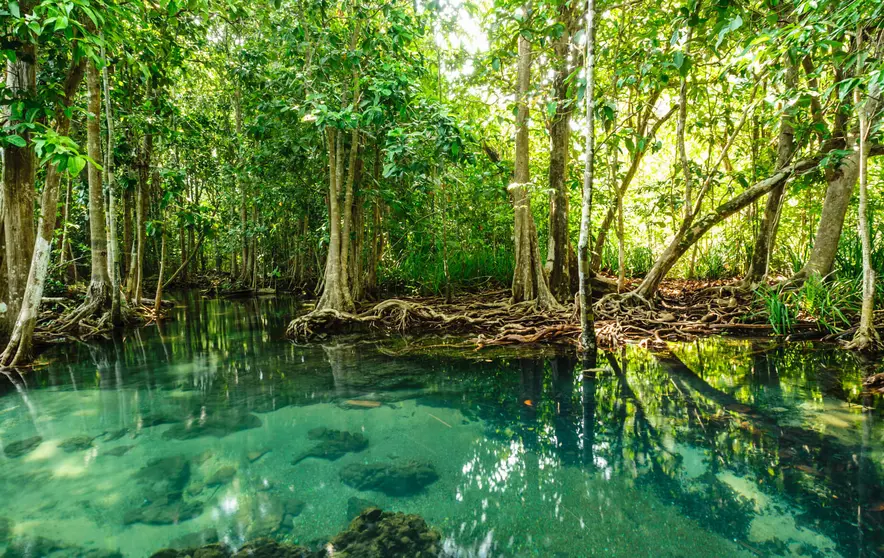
<point>113,240</point>
<point>334,294</point>
<point>20,346</point>
<point>699,227</point>
<point>529,281</point>
<point>18,187</point>
<point>587,319</point>
<point>557,264</point>
<point>866,337</point>
<point>765,241</point>
<point>158,297</point>
<point>98,296</point>
<point>136,267</point>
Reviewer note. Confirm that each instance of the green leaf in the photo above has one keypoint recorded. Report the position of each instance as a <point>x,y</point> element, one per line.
<point>13,8</point>
<point>678,59</point>
<point>495,64</point>
<point>75,165</point>
<point>551,108</point>
<point>17,141</point>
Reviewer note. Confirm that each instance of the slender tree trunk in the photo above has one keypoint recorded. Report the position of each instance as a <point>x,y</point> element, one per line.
<point>18,187</point>
<point>621,239</point>
<point>688,236</point>
<point>529,282</point>
<point>637,157</point>
<point>557,264</point>
<point>158,298</point>
<point>66,249</point>
<point>128,215</point>
<point>689,231</point>
<point>113,244</point>
<point>20,347</point>
<point>865,337</point>
<point>136,267</point>
<point>765,241</point>
<point>587,319</point>
<point>680,132</point>
<point>98,295</point>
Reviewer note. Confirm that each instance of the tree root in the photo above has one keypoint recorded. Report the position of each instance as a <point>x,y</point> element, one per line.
<point>493,321</point>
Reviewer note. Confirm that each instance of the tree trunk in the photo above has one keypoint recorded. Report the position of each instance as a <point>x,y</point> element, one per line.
<point>557,264</point>
<point>20,346</point>
<point>688,236</point>
<point>158,298</point>
<point>841,183</point>
<point>128,215</point>
<point>98,295</point>
<point>334,294</point>
<point>136,267</point>
<point>587,319</point>
<point>621,239</point>
<point>865,337</point>
<point>637,157</point>
<point>529,282</point>
<point>113,244</point>
<point>765,241</point>
<point>18,188</point>
<point>245,278</point>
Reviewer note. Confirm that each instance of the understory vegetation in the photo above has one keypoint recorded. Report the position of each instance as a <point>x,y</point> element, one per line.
<point>361,150</point>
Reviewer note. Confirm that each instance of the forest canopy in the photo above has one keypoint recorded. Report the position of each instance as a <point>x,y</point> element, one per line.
<point>352,151</point>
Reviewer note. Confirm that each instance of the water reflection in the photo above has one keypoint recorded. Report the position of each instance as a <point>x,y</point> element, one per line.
<point>189,431</point>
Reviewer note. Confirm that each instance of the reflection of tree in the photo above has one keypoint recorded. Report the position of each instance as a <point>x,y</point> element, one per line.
<point>815,470</point>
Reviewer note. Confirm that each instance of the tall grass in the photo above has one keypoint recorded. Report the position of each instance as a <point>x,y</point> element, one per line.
<point>423,273</point>
<point>828,302</point>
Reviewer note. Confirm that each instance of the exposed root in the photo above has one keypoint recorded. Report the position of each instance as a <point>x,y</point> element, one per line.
<point>680,314</point>
<point>866,340</point>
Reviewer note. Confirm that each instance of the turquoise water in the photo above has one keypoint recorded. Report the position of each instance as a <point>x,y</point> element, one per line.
<point>210,427</point>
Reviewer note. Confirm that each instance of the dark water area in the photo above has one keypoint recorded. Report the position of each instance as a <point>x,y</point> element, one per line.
<point>212,427</point>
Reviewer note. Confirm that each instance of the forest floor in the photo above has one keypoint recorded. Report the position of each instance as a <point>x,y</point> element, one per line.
<point>684,310</point>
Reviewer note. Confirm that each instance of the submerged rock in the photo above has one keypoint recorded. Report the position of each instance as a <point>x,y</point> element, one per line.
<point>5,529</point>
<point>164,475</point>
<point>77,443</point>
<point>378,534</point>
<point>258,548</point>
<point>356,506</point>
<point>165,510</point>
<point>118,451</point>
<point>115,435</point>
<point>222,476</point>
<point>194,540</point>
<point>373,534</point>
<point>256,455</point>
<point>393,479</point>
<point>155,419</point>
<point>268,548</point>
<point>217,425</point>
<point>334,445</point>
<point>292,508</point>
<point>22,447</point>
<point>29,547</point>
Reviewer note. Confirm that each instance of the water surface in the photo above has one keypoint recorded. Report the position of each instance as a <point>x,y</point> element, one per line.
<point>209,427</point>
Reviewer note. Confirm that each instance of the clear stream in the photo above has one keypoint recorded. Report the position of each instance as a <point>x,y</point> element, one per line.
<point>212,427</point>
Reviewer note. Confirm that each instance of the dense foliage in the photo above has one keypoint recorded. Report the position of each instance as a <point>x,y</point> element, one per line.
<point>262,142</point>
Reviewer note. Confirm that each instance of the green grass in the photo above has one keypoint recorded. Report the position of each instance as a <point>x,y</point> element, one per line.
<point>423,273</point>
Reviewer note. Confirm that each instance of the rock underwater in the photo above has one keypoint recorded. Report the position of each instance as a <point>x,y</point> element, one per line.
<point>333,444</point>
<point>22,447</point>
<point>393,479</point>
<point>373,534</point>
<point>216,425</point>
